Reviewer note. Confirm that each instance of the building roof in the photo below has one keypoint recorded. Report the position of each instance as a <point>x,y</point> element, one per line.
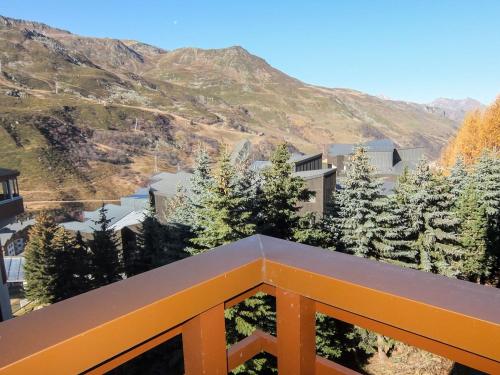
<point>298,158</point>
<point>114,213</point>
<point>258,165</point>
<point>133,218</point>
<point>380,145</point>
<point>9,230</point>
<point>4,172</point>
<point>307,175</point>
<point>119,216</point>
<point>374,146</point>
<point>14,267</point>
<point>167,184</point>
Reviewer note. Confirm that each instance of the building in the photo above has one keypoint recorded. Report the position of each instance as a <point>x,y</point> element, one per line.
<point>388,160</point>
<point>11,205</point>
<point>11,202</point>
<point>166,185</point>
<point>119,216</point>
<point>13,237</point>
<point>319,180</point>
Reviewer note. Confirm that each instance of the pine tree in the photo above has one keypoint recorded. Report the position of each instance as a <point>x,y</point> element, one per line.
<point>395,245</point>
<point>360,204</point>
<point>486,179</point>
<point>458,177</point>
<point>151,249</point>
<point>200,187</point>
<point>104,262</point>
<point>223,217</point>
<point>41,261</point>
<point>280,195</point>
<point>71,273</point>
<point>473,235</point>
<point>427,199</point>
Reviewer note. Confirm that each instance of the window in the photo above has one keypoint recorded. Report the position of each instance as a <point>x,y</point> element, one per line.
<point>5,194</point>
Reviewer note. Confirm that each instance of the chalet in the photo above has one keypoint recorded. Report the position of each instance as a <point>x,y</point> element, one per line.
<point>388,160</point>
<point>320,180</point>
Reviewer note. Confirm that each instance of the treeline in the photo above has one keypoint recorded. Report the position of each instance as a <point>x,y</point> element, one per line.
<point>480,130</point>
<point>442,224</point>
<point>60,265</point>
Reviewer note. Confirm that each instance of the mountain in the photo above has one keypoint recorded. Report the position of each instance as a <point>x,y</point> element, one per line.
<point>456,109</point>
<point>87,117</point>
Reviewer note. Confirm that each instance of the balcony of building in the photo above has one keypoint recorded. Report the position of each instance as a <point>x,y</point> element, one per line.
<point>102,329</point>
<point>11,203</point>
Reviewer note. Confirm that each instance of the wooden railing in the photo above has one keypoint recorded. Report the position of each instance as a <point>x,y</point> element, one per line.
<point>100,330</point>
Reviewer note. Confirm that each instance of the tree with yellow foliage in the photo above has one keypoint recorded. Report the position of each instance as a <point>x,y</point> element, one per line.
<point>480,131</point>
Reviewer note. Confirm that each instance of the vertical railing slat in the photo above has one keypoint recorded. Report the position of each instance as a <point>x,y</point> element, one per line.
<point>296,333</point>
<point>204,343</point>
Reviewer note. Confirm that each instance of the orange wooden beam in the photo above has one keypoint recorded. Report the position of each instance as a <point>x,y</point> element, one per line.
<point>204,343</point>
<point>450,352</point>
<point>262,288</point>
<point>296,331</point>
<point>134,352</point>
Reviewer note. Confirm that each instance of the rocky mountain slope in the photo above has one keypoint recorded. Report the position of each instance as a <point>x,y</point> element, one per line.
<point>455,109</point>
<point>87,117</point>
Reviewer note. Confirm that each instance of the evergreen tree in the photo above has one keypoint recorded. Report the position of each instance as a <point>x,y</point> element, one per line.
<point>458,177</point>
<point>360,204</point>
<point>427,200</point>
<point>104,262</point>
<point>395,246</point>
<point>151,244</point>
<point>71,271</point>
<point>41,262</point>
<point>280,195</point>
<point>223,216</point>
<point>473,235</point>
<point>486,179</point>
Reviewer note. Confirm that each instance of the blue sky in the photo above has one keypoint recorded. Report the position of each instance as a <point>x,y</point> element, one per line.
<point>412,50</point>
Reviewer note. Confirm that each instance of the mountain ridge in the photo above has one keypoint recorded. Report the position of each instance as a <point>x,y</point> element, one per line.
<point>121,104</point>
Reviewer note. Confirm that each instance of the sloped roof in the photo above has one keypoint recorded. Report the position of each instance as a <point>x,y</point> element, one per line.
<point>258,165</point>
<point>380,145</point>
<point>9,230</point>
<point>133,218</point>
<point>348,148</point>
<point>114,213</point>
<point>168,183</point>
<point>306,175</point>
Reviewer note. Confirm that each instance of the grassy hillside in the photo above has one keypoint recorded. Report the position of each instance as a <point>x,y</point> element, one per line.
<point>85,117</point>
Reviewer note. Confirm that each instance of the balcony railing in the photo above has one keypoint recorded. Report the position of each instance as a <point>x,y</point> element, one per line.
<point>100,330</point>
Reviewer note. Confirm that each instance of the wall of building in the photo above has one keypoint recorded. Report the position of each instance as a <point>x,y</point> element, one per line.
<point>9,209</point>
<point>310,165</point>
<point>411,154</point>
<point>5,310</point>
<point>315,204</point>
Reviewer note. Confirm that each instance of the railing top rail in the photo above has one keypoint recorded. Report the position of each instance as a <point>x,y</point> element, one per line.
<point>459,296</point>
<point>122,315</point>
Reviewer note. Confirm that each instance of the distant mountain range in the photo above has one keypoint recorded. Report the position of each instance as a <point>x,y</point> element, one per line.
<point>456,109</point>
<point>87,117</point>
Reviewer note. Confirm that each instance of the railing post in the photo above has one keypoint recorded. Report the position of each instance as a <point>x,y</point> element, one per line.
<point>296,331</point>
<point>204,343</point>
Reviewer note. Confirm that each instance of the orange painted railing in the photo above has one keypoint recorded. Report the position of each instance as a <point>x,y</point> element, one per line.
<point>100,330</point>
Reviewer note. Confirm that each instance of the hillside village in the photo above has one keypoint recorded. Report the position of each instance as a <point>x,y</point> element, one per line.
<point>199,211</point>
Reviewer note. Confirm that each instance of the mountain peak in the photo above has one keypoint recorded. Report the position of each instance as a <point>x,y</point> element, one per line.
<point>38,26</point>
